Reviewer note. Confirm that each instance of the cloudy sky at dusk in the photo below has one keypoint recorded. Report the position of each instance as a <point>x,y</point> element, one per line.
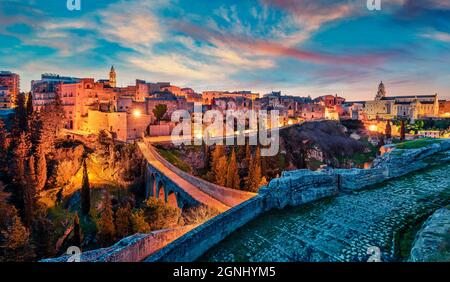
<point>300,47</point>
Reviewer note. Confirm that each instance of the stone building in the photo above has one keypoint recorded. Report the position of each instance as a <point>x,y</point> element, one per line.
<point>444,109</point>
<point>413,107</point>
<point>10,83</point>
<point>5,98</point>
<point>45,90</point>
<point>209,96</point>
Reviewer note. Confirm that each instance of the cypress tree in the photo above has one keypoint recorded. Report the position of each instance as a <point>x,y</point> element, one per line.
<point>220,171</point>
<point>29,105</point>
<point>20,117</point>
<point>218,166</point>
<point>253,180</point>
<point>76,231</point>
<point>402,130</point>
<point>41,168</point>
<point>233,180</point>
<point>29,195</point>
<point>106,229</point>
<point>388,131</point>
<point>85,191</point>
<point>248,155</point>
<point>20,153</point>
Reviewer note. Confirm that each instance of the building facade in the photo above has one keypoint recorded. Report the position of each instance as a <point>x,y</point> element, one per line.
<point>10,83</point>
<point>412,107</point>
<point>209,96</point>
<point>5,98</point>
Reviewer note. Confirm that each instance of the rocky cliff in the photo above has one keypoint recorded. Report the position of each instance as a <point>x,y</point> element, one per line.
<point>433,240</point>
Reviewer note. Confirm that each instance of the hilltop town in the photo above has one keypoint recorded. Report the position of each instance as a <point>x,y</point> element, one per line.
<point>92,105</point>
<point>87,163</point>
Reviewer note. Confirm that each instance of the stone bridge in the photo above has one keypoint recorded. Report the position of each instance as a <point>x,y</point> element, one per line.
<point>180,189</point>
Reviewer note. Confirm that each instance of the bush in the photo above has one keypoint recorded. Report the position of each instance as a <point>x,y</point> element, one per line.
<point>160,215</point>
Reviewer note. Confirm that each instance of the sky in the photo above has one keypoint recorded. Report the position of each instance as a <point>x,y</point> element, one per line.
<point>299,47</point>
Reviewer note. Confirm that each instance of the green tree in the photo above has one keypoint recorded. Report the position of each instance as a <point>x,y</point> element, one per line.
<point>248,155</point>
<point>138,223</point>
<point>21,153</point>
<point>20,116</point>
<point>53,119</point>
<point>160,215</point>
<point>220,171</point>
<point>219,165</point>
<point>159,111</point>
<point>106,230</point>
<point>7,211</point>
<point>253,180</point>
<point>42,236</point>
<point>402,130</point>
<point>29,194</point>
<point>85,191</point>
<point>41,169</point>
<point>123,221</point>
<point>16,238</point>
<point>4,146</point>
<point>76,239</point>
<point>29,105</point>
<point>388,131</point>
<point>233,180</point>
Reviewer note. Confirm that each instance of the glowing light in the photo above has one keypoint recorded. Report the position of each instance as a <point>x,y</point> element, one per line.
<point>373,127</point>
<point>137,113</point>
<point>290,122</point>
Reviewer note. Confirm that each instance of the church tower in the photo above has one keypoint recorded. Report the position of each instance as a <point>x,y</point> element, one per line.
<point>381,92</point>
<point>112,77</point>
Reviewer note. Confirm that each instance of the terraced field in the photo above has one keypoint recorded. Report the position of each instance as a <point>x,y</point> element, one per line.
<point>343,228</point>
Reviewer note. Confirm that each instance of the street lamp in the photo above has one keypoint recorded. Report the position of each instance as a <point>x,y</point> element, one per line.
<point>137,113</point>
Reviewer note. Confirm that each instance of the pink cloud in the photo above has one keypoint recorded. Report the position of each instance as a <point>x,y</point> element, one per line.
<point>270,48</point>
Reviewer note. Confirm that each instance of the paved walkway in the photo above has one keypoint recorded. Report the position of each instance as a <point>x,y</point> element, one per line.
<point>199,195</point>
<point>340,228</point>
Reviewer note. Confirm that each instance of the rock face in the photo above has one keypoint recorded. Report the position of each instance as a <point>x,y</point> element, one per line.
<point>298,187</point>
<point>393,163</point>
<point>431,240</point>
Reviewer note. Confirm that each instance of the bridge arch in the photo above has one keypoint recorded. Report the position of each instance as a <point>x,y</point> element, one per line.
<point>160,191</point>
<point>150,186</point>
<point>172,199</point>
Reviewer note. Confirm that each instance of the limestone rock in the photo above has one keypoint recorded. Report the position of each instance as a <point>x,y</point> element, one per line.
<point>432,237</point>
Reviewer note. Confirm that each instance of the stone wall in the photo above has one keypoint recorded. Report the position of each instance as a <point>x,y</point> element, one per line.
<point>193,244</point>
<point>131,249</point>
<point>298,187</point>
<point>392,164</point>
<point>433,240</point>
<point>293,188</point>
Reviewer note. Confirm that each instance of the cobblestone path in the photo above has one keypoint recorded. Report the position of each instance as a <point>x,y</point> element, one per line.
<point>341,228</point>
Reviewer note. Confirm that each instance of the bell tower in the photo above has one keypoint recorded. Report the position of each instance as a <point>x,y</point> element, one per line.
<point>112,77</point>
<point>381,92</point>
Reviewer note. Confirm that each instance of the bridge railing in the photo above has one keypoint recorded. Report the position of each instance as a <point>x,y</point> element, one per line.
<point>228,196</point>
